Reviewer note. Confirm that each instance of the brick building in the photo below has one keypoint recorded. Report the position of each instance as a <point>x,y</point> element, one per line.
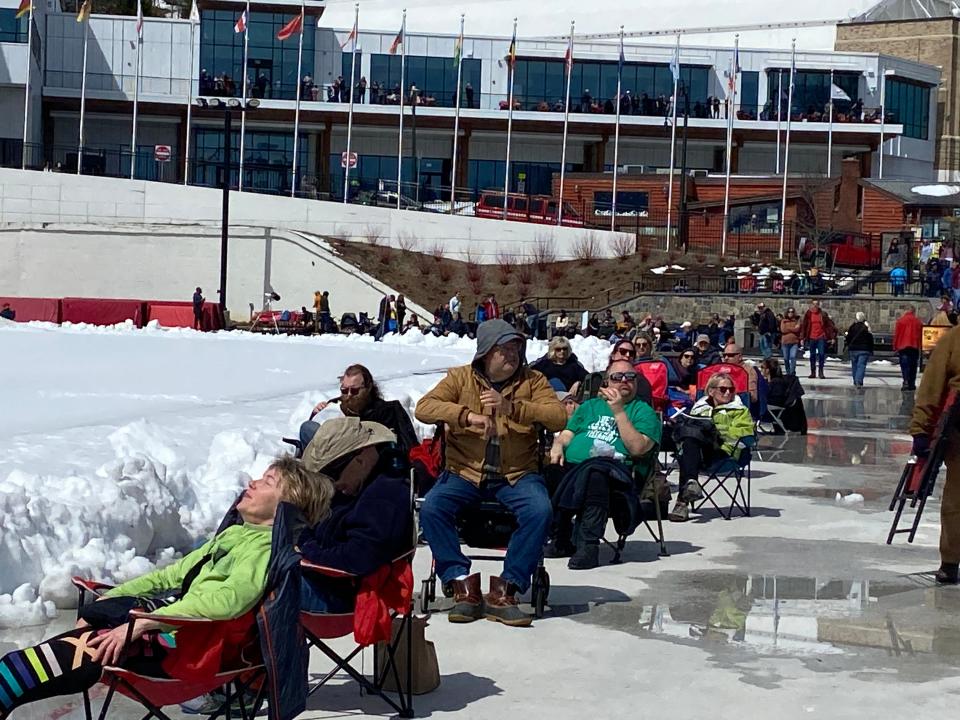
<point>923,31</point>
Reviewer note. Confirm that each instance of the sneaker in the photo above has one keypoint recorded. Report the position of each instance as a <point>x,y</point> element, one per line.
<point>680,512</point>
<point>947,574</point>
<point>212,702</point>
<point>500,604</point>
<point>467,600</point>
<point>692,491</point>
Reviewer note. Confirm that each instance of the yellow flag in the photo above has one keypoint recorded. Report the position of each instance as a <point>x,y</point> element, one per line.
<point>84,13</point>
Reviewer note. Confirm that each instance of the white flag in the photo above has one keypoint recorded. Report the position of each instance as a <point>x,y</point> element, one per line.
<point>837,93</point>
<point>675,64</point>
<point>195,13</point>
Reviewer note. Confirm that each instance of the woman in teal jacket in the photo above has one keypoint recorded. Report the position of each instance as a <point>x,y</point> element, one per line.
<point>731,418</point>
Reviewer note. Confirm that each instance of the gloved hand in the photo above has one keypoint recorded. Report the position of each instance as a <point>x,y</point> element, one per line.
<point>921,445</point>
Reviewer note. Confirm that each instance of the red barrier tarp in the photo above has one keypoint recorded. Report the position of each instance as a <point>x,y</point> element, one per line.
<point>27,309</point>
<point>177,313</point>
<point>102,311</point>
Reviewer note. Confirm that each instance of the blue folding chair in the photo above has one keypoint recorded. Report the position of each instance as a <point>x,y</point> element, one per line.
<point>729,475</point>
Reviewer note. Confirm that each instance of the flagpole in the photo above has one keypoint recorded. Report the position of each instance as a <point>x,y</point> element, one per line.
<point>296,113</point>
<point>786,151</point>
<point>673,141</point>
<point>566,120</point>
<point>243,108</point>
<point>456,124</point>
<point>731,113</point>
<point>830,127</point>
<point>186,154</point>
<point>403,92</point>
<point>616,138</point>
<point>883,117</point>
<point>136,104</point>
<point>26,94</point>
<point>353,75</point>
<point>506,169</point>
<point>779,108</point>
<point>83,93</point>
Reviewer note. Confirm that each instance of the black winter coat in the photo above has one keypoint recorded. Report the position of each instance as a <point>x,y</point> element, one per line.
<point>859,337</point>
<point>569,373</point>
<point>391,415</point>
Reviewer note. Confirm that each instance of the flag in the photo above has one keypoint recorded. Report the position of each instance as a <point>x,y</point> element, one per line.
<point>351,36</point>
<point>568,56</point>
<point>736,59</point>
<point>457,50</point>
<point>620,60</point>
<point>84,13</point>
<point>512,51</point>
<point>291,28</point>
<point>25,7</point>
<point>397,42</point>
<point>241,24</point>
<point>195,12</point>
<point>139,18</point>
<point>675,64</point>
<point>837,93</point>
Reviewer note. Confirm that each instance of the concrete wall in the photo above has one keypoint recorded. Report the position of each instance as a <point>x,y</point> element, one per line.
<point>167,263</point>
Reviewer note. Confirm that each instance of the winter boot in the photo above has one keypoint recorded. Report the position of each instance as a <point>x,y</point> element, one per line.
<point>467,600</point>
<point>947,574</point>
<point>593,522</point>
<point>500,604</point>
<point>561,545</point>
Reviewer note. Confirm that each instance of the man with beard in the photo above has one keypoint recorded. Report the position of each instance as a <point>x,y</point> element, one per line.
<point>360,397</point>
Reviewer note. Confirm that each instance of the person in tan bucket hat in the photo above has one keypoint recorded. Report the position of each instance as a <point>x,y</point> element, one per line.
<point>370,522</point>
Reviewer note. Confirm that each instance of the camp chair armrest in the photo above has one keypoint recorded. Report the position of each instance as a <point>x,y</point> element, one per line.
<point>324,570</point>
<point>408,555</point>
<point>173,620</point>
<point>747,441</point>
<point>92,586</point>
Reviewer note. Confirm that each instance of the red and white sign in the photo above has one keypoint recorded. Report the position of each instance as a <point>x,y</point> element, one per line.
<point>162,153</point>
<point>352,160</point>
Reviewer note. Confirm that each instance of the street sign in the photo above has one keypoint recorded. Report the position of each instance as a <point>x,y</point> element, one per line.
<point>162,153</point>
<point>352,160</point>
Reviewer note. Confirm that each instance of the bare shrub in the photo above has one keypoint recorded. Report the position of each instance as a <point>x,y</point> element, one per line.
<point>503,277</point>
<point>476,287</point>
<point>407,241</point>
<point>525,274</point>
<point>421,261</point>
<point>544,251</point>
<point>586,248</point>
<point>506,261</point>
<point>555,274</point>
<point>384,254</point>
<point>623,246</point>
<point>372,234</point>
<point>445,271</point>
<point>474,271</point>
<point>438,251</point>
<point>524,289</point>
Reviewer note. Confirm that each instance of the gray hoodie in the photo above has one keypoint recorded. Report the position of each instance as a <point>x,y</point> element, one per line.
<point>491,333</point>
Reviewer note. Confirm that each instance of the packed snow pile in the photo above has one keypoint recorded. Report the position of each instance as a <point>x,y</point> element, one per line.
<point>123,448</point>
<point>936,190</point>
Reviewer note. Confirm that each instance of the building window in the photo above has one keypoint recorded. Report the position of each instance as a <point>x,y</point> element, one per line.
<point>749,94</point>
<point>11,29</point>
<point>541,85</point>
<point>271,63</point>
<point>761,219</point>
<point>528,178</point>
<point>908,103</point>
<point>267,165</point>
<point>435,78</point>
<point>811,93</point>
<point>632,204</point>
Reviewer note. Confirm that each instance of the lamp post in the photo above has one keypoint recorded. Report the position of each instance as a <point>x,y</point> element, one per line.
<point>228,106</point>
<point>683,226</point>
<point>414,100</point>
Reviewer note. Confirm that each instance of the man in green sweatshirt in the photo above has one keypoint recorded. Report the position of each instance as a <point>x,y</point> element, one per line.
<point>221,580</point>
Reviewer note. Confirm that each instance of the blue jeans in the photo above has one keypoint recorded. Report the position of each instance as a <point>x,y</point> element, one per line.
<point>530,503</point>
<point>818,354</point>
<point>766,345</point>
<point>789,352</point>
<point>858,365</point>
<point>909,362</point>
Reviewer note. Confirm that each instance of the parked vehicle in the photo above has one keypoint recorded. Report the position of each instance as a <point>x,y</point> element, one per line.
<point>844,249</point>
<point>540,209</point>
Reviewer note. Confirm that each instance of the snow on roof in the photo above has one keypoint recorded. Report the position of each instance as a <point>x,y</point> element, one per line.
<point>891,10</point>
<point>936,190</point>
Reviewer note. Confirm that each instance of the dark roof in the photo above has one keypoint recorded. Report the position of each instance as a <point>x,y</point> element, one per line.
<point>753,199</point>
<point>903,190</point>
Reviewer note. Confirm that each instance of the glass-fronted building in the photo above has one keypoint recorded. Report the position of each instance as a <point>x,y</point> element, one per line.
<point>180,61</point>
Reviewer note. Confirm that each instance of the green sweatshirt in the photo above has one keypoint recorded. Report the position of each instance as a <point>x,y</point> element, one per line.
<point>229,584</point>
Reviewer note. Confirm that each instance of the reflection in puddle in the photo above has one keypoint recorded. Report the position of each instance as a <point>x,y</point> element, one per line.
<point>811,615</point>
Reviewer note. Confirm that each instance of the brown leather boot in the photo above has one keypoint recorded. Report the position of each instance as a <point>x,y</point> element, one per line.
<point>467,600</point>
<point>501,604</point>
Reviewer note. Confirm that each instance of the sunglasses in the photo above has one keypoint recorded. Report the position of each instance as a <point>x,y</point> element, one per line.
<point>724,389</point>
<point>626,352</point>
<point>352,392</point>
<point>687,356</point>
<point>622,376</point>
<point>732,354</point>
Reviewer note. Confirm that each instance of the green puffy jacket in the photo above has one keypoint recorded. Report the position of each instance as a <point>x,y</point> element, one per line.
<point>733,421</point>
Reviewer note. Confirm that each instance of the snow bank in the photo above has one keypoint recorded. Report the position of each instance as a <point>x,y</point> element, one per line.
<point>936,190</point>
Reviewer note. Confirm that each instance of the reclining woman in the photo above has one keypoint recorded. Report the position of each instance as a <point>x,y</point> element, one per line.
<point>560,366</point>
<point>371,520</point>
<point>701,443</point>
<point>221,580</point>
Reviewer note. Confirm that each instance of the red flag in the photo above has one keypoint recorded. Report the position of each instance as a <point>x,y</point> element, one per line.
<point>241,24</point>
<point>351,36</point>
<point>292,27</point>
<point>139,18</point>
<point>23,9</point>
<point>397,42</point>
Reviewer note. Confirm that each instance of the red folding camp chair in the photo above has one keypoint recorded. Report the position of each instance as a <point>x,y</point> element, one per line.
<point>741,381</point>
<point>388,594</point>
<point>238,667</point>
<point>657,374</point>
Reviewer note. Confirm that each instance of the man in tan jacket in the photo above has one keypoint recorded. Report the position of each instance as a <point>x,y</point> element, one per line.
<point>490,410</point>
<point>941,375</point>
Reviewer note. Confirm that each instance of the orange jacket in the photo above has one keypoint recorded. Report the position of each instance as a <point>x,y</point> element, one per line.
<point>908,332</point>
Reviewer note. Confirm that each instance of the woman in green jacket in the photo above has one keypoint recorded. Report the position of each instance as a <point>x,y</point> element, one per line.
<point>732,420</point>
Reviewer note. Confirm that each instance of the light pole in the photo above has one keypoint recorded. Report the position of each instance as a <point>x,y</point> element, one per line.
<point>683,227</point>
<point>414,101</point>
<point>228,106</point>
